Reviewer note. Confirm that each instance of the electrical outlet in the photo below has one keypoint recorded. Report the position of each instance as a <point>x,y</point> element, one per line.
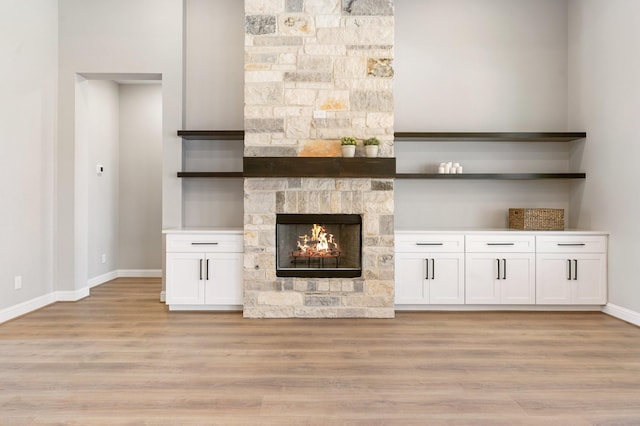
<point>17,282</point>
<point>104,258</point>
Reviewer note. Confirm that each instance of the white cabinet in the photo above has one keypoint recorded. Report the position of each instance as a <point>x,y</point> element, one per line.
<point>204,270</point>
<point>571,270</point>
<point>429,269</point>
<point>500,278</point>
<point>500,269</point>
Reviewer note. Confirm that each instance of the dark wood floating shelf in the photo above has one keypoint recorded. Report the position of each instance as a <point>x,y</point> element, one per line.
<point>210,174</point>
<point>465,176</point>
<point>329,167</point>
<point>490,136</point>
<point>494,176</point>
<point>221,135</point>
<point>418,136</point>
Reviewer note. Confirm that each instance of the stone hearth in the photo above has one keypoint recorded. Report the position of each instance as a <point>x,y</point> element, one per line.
<point>317,70</point>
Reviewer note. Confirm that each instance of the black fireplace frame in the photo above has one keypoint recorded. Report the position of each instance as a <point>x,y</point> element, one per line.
<point>324,219</point>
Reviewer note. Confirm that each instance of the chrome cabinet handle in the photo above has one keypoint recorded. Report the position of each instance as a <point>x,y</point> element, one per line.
<point>207,269</point>
<point>501,244</point>
<point>429,244</point>
<point>504,269</point>
<point>575,269</point>
<point>204,244</point>
<point>571,244</point>
<point>569,276</point>
<point>201,269</point>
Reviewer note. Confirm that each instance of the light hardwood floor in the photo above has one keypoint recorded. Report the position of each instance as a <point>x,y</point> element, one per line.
<point>119,357</point>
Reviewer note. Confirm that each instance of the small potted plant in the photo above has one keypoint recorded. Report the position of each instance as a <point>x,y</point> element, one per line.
<point>348,146</point>
<point>371,147</point>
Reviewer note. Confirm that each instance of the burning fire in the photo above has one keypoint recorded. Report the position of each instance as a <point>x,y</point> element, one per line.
<point>320,243</point>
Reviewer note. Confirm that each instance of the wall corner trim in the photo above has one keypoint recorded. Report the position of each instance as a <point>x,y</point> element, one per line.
<point>624,314</point>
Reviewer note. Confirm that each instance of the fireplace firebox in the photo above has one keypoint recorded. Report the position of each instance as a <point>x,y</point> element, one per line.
<point>319,245</point>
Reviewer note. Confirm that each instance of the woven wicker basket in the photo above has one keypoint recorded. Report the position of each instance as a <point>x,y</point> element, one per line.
<point>537,219</point>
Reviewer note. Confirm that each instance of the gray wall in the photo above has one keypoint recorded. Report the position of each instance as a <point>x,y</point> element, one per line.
<point>604,92</point>
<point>479,65</point>
<point>103,106</point>
<point>214,99</point>
<point>124,134</point>
<point>140,187</point>
<point>28,121</point>
<point>214,64</point>
<point>102,39</point>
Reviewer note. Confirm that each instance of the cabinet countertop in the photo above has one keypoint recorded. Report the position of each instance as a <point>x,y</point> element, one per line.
<point>497,231</point>
<point>204,230</point>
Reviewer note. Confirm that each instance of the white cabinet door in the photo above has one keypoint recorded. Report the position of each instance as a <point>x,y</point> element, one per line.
<point>590,275</point>
<point>446,278</point>
<point>500,278</point>
<point>553,280</point>
<point>185,279</point>
<point>567,278</point>
<point>435,278</point>
<point>481,279</point>
<point>410,277</point>
<point>518,283</point>
<point>223,284</point>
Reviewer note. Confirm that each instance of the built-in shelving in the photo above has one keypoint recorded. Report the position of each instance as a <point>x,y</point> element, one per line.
<point>218,135</point>
<point>377,167</point>
<point>489,136</point>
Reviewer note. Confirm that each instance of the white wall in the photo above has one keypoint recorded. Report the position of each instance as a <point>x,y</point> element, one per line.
<point>214,68</point>
<point>214,100</point>
<point>140,189</point>
<point>103,108</point>
<point>113,37</point>
<point>479,65</point>
<point>604,93</point>
<point>28,96</point>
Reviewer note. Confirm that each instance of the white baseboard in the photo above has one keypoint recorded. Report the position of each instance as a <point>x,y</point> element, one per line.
<point>75,295</point>
<point>71,296</point>
<point>102,279</point>
<point>26,307</point>
<point>125,273</point>
<point>139,273</point>
<point>622,313</point>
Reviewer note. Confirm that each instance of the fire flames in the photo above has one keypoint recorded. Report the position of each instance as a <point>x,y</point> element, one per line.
<point>319,244</point>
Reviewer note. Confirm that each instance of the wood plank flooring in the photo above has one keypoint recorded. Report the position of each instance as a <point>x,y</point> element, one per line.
<point>119,357</point>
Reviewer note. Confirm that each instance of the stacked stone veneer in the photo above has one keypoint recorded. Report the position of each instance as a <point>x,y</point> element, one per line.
<point>317,70</point>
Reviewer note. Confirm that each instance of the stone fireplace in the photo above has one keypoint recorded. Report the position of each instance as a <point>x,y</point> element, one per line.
<point>317,70</point>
